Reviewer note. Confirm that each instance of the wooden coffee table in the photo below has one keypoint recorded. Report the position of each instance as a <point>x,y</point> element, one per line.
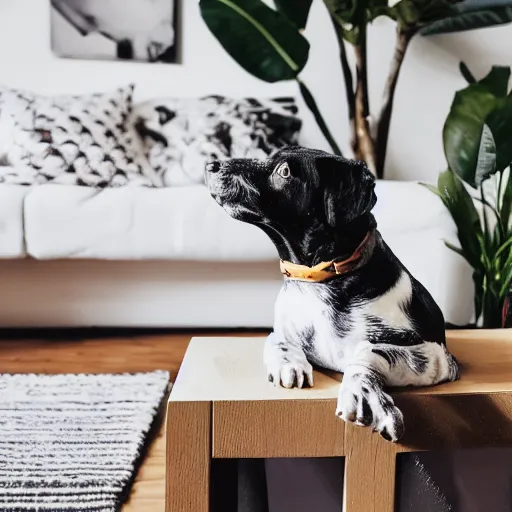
<point>222,406</point>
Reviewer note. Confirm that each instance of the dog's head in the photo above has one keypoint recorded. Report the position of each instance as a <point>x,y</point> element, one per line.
<point>293,189</point>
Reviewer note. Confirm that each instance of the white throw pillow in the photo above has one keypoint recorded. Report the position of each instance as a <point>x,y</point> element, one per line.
<point>80,140</point>
<point>181,135</point>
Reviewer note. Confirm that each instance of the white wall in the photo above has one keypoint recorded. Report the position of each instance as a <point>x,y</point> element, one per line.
<point>429,77</point>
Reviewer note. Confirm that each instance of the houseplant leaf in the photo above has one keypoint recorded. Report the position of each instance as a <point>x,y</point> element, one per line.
<point>506,205</point>
<point>477,131</point>
<point>454,248</point>
<point>353,15</point>
<point>486,159</point>
<point>296,11</point>
<point>470,15</point>
<point>463,130</point>
<point>432,189</point>
<point>350,15</point>
<point>507,282</point>
<point>378,8</point>
<point>463,211</point>
<point>347,11</point>
<point>418,13</point>
<point>500,124</point>
<point>496,82</point>
<point>261,40</point>
<point>357,11</point>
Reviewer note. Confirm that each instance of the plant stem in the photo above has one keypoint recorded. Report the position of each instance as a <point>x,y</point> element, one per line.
<point>349,85</point>
<point>403,38</point>
<point>311,104</point>
<point>499,203</point>
<point>365,146</point>
<point>491,303</point>
<point>487,233</point>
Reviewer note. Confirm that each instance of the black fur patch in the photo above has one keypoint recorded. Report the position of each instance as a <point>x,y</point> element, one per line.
<point>418,361</point>
<point>413,358</point>
<point>367,418</point>
<point>392,356</point>
<point>164,114</point>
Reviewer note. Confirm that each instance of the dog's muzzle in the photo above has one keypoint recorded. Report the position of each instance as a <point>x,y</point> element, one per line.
<point>216,181</point>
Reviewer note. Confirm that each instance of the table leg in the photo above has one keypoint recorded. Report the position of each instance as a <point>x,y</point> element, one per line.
<point>188,456</point>
<point>370,471</point>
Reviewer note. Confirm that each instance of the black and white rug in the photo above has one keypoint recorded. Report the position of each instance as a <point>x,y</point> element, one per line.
<point>74,442</point>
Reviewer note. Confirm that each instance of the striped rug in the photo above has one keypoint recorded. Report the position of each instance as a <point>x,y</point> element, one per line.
<point>74,442</point>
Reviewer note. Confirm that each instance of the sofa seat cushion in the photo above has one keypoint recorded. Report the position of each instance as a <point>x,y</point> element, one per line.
<point>184,223</point>
<point>181,223</point>
<point>12,243</point>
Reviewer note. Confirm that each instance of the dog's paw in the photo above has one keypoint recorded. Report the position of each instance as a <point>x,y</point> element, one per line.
<point>367,405</point>
<point>287,366</point>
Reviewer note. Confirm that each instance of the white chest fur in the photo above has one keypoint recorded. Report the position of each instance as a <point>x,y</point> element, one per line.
<point>302,315</point>
<point>305,314</point>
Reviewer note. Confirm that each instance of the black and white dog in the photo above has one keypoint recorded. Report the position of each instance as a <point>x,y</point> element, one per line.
<point>365,315</point>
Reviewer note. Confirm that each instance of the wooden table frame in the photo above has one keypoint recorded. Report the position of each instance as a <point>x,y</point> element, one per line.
<point>264,422</point>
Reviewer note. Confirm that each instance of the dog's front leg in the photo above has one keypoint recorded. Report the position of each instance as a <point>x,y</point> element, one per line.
<point>286,363</point>
<point>363,401</point>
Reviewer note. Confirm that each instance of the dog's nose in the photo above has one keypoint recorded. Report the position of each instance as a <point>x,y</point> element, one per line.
<point>213,166</point>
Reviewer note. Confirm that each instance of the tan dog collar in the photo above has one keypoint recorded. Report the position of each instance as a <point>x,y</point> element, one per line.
<point>328,269</point>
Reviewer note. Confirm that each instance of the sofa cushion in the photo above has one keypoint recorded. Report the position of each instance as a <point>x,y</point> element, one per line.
<point>181,135</point>
<point>137,223</point>
<point>75,140</point>
<point>12,244</point>
<point>185,223</point>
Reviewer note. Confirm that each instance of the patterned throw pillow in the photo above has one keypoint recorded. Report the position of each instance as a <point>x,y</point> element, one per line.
<point>79,140</point>
<point>181,135</point>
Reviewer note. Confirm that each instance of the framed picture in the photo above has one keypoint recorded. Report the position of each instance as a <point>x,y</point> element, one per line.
<point>133,30</point>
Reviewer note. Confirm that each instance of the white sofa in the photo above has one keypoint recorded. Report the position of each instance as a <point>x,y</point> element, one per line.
<point>77,256</point>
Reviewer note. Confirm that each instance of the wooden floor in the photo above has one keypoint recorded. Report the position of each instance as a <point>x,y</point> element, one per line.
<point>103,355</point>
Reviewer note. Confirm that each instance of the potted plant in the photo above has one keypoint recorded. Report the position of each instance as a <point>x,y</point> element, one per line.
<point>477,189</point>
<point>270,44</point>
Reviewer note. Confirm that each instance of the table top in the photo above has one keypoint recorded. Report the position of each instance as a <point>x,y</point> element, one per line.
<point>218,369</point>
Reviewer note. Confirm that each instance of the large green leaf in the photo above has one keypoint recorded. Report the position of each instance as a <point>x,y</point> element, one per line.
<point>261,40</point>
<point>470,15</point>
<point>496,82</point>
<point>477,131</point>
<point>486,160</point>
<point>462,209</point>
<point>347,11</point>
<point>350,16</point>
<point>506,205</point>
<point>418,13</point>
<point>296,11</point>
<point>463,130</point>
<point>353,15</point>
<point>507,282</point>
<point>500,124</point>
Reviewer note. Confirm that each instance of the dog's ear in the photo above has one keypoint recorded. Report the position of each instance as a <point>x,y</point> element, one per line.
<point>349,190</point>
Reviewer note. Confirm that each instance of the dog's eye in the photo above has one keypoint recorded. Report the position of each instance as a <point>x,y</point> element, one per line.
<point>283,170</point>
